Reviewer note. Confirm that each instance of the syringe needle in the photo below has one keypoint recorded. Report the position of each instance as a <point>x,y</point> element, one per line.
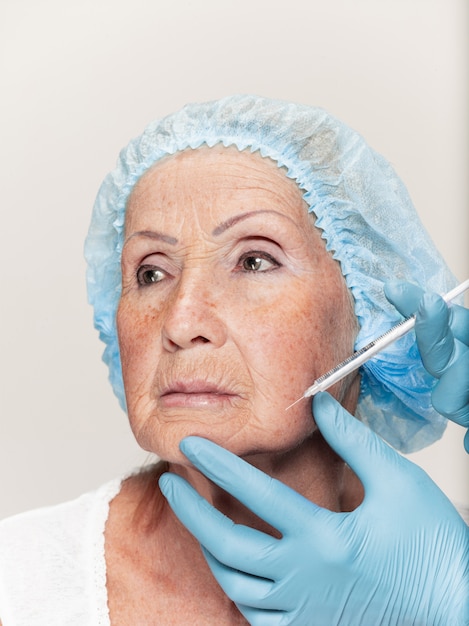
<point>363,355</point>
<point>296,402</point>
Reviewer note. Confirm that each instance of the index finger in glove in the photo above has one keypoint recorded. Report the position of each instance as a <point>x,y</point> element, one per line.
<point>372,460</point>
<point>237,546</point>
<point>265,496</point>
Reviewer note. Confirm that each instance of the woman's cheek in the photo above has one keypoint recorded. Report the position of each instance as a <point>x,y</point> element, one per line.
<point>136,334</point>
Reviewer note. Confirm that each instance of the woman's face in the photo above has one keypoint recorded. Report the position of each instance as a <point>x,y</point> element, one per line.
<point>230,305</point>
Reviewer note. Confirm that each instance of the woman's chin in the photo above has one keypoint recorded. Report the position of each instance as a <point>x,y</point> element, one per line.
<point>241,430</point>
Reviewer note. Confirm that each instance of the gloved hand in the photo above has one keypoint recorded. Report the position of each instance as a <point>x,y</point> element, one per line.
<point>402,557</point>
<point>442,334</point>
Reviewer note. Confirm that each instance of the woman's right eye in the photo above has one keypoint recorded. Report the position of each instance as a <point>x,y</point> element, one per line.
<point>148,274</point>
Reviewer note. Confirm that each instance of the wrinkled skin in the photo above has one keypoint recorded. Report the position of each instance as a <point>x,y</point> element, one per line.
<point>245,309</point>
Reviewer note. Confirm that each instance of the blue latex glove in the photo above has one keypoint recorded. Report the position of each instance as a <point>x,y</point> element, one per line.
<point>442,334</point>
<point>402,557</point>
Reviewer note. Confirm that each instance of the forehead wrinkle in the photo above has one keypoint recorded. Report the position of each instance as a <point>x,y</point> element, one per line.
<point>263,176</point>
<point>242,216</point>
<point>153,234</point>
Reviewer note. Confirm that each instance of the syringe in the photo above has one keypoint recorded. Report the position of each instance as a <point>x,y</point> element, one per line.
<point>363,355</point>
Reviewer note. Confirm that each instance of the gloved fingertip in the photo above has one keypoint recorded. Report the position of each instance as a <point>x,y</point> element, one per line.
<point>431,304</point>
<point>353,441</point>
<point>185,445</point>
<point>324,401</point>
<point>207,456</point>
<point>325,410</point>
<point>466,442</point>
<point>403,295</point>
<point>394,287</point>
<point>165,483</point>
<point>332,419</point>
<point>192,445</point>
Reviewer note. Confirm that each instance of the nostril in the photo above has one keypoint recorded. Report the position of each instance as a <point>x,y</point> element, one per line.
<point>199,339</point>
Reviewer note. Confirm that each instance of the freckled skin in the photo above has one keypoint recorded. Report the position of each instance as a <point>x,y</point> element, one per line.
<point>262,336</point>
<point>246,302</point>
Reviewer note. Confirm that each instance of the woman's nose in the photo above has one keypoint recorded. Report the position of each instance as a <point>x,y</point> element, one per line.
<point>192,317</point>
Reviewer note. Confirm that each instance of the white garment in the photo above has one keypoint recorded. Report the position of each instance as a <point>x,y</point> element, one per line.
<point>52,564</point>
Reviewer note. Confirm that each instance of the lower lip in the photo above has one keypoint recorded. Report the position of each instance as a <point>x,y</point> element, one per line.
<point>194,400</point>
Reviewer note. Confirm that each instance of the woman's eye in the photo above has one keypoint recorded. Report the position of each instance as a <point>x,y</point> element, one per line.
<point>258,262</point>
<point>147,274</point>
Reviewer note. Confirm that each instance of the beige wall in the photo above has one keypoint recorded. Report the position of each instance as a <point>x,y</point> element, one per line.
<point>80,78</point>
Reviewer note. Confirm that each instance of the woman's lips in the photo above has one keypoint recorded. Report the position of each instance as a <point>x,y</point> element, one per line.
<point>194,394</point>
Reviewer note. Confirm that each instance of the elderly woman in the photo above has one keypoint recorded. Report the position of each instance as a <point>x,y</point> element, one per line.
<point>239,251</point>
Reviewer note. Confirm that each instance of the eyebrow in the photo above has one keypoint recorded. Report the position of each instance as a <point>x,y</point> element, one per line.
<point>153,234</point>
<point>157,235</point>
<point>242,216</point>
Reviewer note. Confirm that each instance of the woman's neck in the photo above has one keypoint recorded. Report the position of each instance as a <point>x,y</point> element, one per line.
<point>312,469</point>
<point>152,554</point>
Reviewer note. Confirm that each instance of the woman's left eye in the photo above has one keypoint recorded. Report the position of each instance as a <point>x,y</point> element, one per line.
<point>148,274</point>
<point>258,262</point>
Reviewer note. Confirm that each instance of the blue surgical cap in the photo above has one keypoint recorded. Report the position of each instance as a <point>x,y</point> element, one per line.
<point>362,208</point>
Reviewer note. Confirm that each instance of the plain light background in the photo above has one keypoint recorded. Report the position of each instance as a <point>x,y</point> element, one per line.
<point>79,79</point>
